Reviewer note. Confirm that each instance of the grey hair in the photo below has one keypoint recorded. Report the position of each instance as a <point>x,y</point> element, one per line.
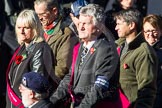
<point>50,3</point>
<point>41,96</point>
<point>29,18</point>
<point>98,15</point>
<point>129,16</point>
<point>94,10</point>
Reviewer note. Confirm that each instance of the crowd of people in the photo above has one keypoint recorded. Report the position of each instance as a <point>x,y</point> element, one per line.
<point>79,56</point>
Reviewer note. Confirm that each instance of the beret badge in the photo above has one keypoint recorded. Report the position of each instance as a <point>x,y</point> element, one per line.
<point>24,81</point>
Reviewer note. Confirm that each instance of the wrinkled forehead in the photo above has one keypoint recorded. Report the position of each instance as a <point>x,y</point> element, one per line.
<point>24,89</point>
<point>85,17</point>
<point>40,8</point>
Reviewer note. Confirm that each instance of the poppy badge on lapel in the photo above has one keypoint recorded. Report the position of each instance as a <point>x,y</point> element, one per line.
<point>18,59</point>
<point>125,66</point>
<point>92,50</point>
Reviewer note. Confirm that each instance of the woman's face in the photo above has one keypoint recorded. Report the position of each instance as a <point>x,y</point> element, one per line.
<point>151,34</point>
<point>126,4</point>
<point>24,32</point>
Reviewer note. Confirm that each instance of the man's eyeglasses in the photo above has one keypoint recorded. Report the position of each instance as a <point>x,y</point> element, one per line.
<point>43,14</point>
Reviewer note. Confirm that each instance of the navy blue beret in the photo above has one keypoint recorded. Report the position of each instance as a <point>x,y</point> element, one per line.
<point>77,5</point>
<point>35,82</point>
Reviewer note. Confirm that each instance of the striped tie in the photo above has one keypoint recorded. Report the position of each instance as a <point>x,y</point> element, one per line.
<point>83,55</point>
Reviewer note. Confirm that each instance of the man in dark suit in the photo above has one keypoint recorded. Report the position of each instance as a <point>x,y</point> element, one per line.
<point>93,77</point>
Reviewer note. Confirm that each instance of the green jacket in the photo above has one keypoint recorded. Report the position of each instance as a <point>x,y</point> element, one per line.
<point>138,69</point>
<point>62,42</point>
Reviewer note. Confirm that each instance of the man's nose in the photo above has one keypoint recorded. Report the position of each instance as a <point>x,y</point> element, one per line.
<point>40,17</point>
<point>20,88</point>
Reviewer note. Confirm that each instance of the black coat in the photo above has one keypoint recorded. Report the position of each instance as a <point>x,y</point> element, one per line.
<point>37,57</point>
<point>158,99</point>
<point>43,104</point>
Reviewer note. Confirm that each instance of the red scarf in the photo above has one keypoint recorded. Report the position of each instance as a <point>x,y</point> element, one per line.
<point>50,29</point>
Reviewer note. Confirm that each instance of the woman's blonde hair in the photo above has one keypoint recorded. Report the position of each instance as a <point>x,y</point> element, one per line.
<point>29,17</point>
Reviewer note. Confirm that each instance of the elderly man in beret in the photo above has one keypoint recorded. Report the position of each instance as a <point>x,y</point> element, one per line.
<point>34,91</point>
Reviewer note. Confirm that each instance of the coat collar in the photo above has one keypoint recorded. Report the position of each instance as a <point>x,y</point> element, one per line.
<point>158,44</point>
<point>135,43</point>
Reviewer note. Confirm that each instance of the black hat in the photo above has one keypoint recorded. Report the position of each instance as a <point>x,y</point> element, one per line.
<point>36,82</point>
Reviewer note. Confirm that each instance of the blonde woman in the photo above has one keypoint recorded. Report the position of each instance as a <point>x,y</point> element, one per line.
<point>33,54</point>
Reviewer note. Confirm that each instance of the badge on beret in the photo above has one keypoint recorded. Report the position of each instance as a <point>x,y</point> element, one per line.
<point>24,81</point>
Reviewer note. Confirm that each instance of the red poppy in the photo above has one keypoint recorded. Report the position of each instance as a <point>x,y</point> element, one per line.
<point>118,50</point>
<point>125,66</point>
<point>18,59</point>
<point>92,50</point>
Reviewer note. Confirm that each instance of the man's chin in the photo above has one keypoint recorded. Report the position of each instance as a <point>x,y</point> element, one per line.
<point>26,103</point>
<point>82,36</point>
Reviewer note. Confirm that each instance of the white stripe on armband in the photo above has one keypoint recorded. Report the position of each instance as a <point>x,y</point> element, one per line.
<point>102,82</point>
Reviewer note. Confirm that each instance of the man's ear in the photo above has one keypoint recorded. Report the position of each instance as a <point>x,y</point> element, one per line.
<point>31,95</point>
<point>132,25</point>
<point>55,11</point>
